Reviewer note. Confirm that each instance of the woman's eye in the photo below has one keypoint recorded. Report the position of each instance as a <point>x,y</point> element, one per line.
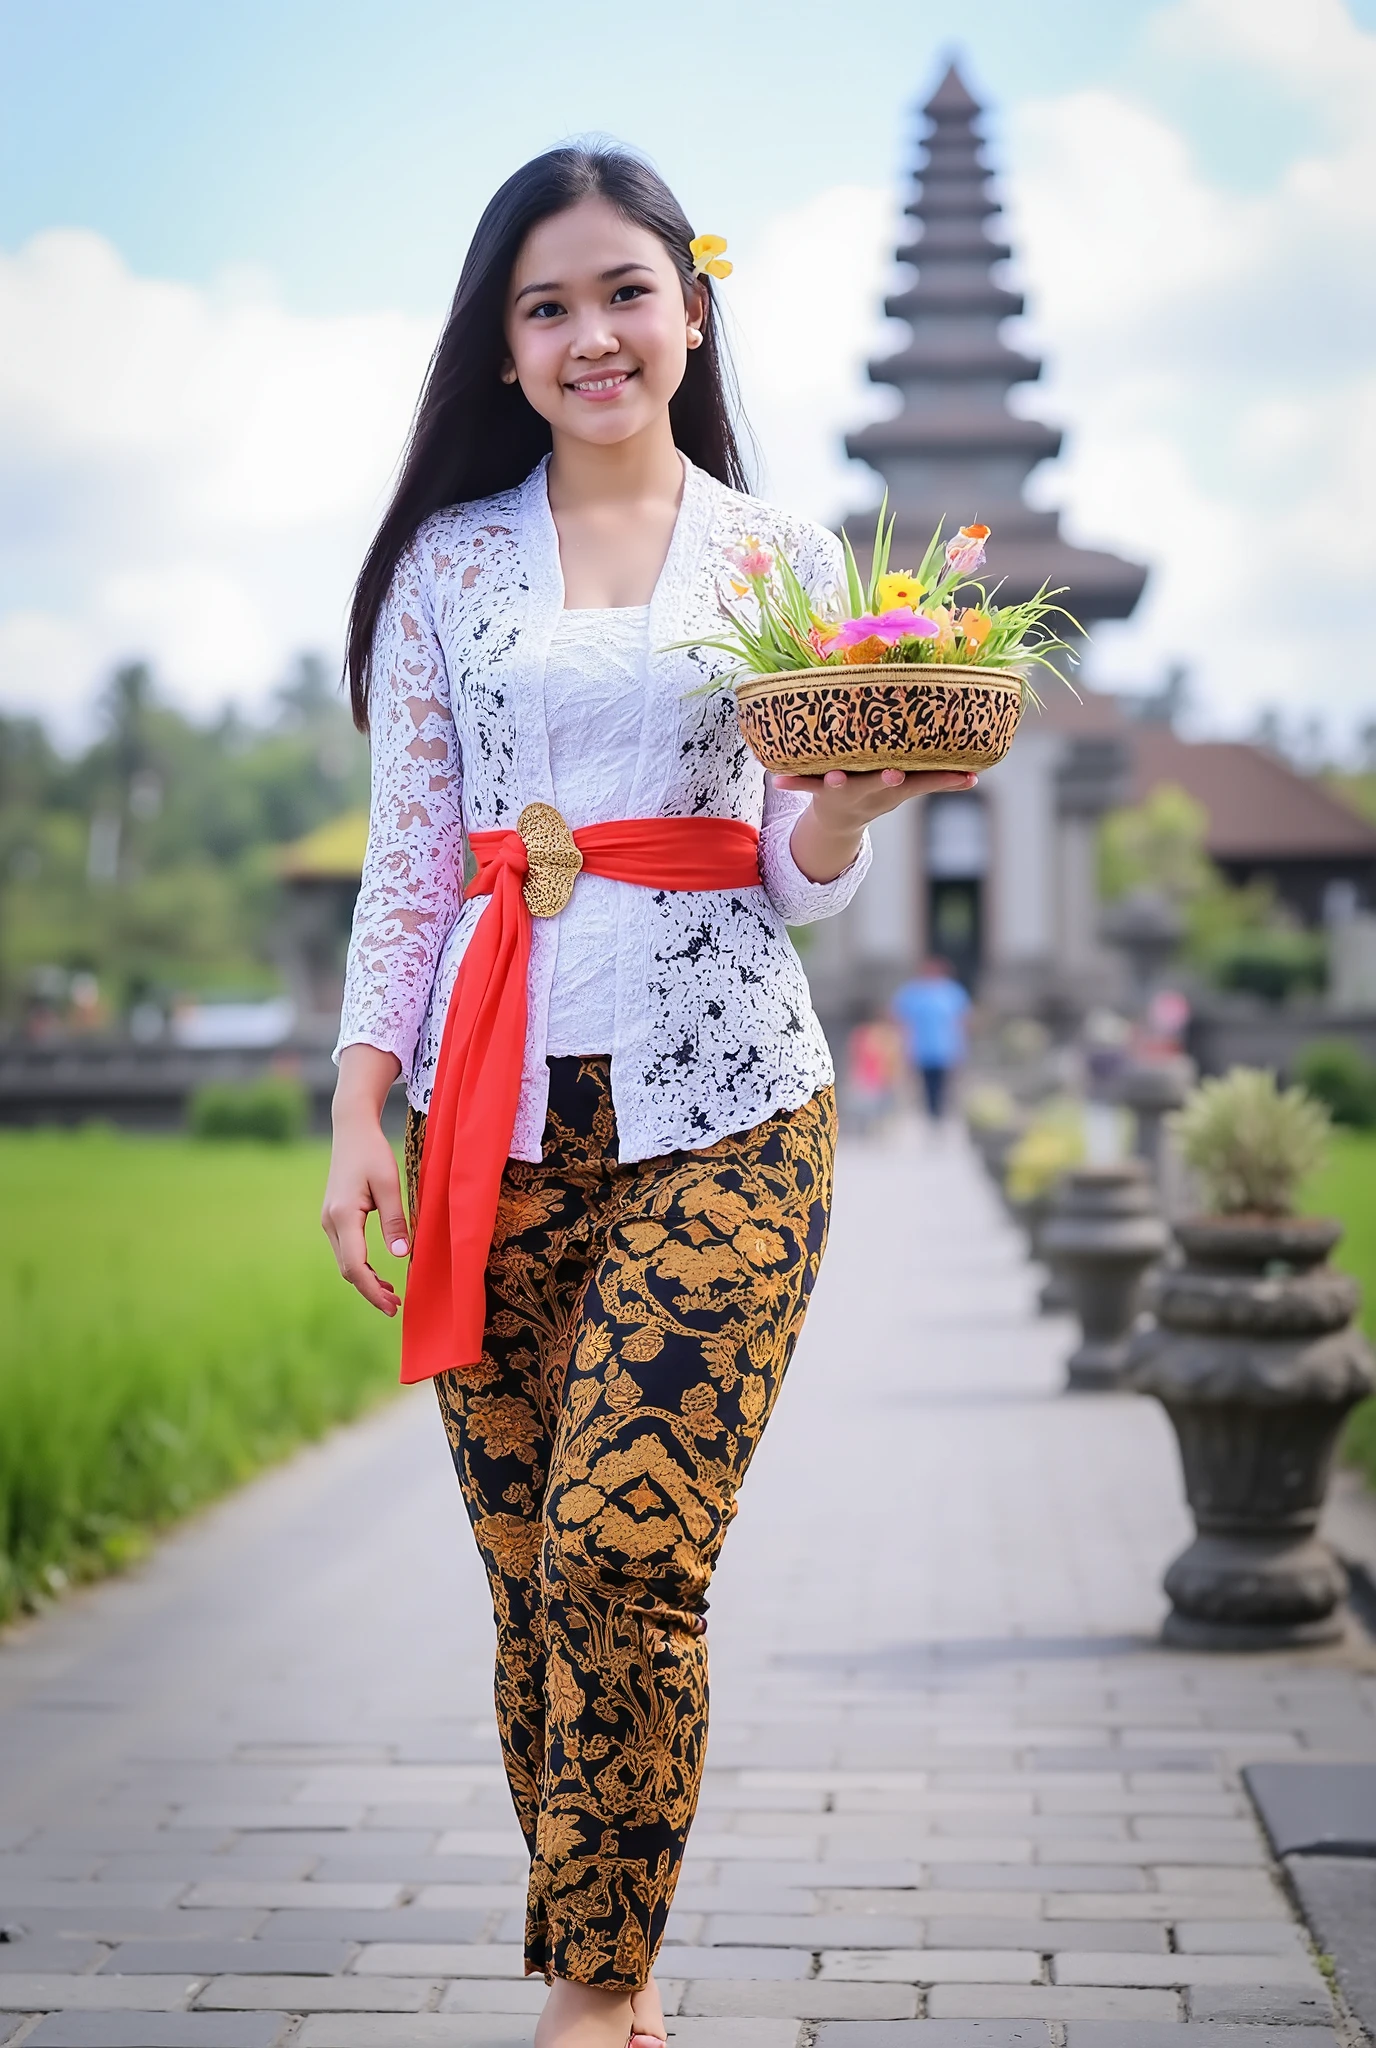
<point>548,309</point>
<point>624,293</point>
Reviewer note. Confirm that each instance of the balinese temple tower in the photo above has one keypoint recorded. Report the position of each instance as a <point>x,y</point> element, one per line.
<point>955,450</point>
<point>1000,882</point>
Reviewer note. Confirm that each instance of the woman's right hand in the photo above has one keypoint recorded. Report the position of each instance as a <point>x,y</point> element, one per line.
<point>363,1173</point>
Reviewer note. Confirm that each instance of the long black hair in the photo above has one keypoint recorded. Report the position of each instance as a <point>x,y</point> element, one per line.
<point>473,434</point>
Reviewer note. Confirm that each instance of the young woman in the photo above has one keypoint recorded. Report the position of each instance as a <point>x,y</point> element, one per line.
<point>621,1128</point>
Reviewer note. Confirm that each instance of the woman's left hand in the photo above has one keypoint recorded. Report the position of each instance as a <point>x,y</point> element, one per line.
<point>827,836</point>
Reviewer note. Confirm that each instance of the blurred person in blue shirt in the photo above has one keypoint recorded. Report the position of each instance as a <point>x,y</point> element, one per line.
<point>931,1010</point>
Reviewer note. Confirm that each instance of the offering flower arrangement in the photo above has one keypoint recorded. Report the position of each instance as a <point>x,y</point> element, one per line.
<point>894,672</point>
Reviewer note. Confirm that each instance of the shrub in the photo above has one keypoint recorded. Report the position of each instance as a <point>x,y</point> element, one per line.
<point>1251,1142</point>
<point>274,1110</point>
<point>1337,1074</point>
<point>1053,1143</point>
<point>1272,963</point>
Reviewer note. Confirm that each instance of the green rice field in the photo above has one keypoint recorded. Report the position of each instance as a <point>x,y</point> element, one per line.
<point>1346,1187</point>
<point>172,1321</point>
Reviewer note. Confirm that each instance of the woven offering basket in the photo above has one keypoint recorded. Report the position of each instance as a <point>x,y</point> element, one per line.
<point>909,715</point>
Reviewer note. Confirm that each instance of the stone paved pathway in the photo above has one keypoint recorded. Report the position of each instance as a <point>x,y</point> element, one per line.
<point>955,1795</point>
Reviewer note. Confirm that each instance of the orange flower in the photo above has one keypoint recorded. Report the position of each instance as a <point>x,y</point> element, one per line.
<point>975,627</point>
<point>866,650</point>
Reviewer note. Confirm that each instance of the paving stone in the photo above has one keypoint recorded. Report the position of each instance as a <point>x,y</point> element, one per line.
<point>456,1873</point>
<point>159,2030</point>
<point>397,1923</point>
<point>933,1966</point>
<point>252,1861</point>
<point>1035,1877</point>
<point>319,1994</point>
<point>440,1959</point>
<point>1233,1937</point>
<point>19,1894</point>
<point>1271,2005</point>
<point>1162,1906</point>
<point>104,1923</point>
<point>737,1998</point>
<point>1094,2034</point>
<point>217,1958</point>
<point>248,1819</point>
<point>934,2034</point>
<point>1108,1968</point>
<point>41,1861</point>
<point>1338,1895</point>
<point>695,1895</point>
<point>1048,2002</point>
<point>66,1957</point>
<point>735,2033</point>
<point>895,1872</point>
<point>272,1893</point>
<point>1046,1936</point>
<point>811,1930</point>
<point>691,1962</point>
<point>486,1994</point>
<point>50,1991</point>
<point>412,2030</point>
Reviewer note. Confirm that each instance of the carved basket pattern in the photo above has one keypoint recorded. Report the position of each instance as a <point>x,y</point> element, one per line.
<point>880,715</point>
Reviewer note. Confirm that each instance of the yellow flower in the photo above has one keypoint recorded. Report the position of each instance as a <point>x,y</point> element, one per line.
<point>707,252</point>
<point>896,593</point>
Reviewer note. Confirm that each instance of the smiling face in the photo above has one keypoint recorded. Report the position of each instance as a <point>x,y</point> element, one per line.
<point>596,324</point>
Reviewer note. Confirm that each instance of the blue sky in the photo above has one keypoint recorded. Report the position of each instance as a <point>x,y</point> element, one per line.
<point>344,147</point>
<point>211,214</point>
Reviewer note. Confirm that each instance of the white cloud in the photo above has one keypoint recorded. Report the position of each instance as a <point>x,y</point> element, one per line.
<point>188,475</point>
<point>1213,352</point>
<point>193,474</point>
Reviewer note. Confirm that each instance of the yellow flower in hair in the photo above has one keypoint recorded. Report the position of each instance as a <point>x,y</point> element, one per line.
<point>707,252</point>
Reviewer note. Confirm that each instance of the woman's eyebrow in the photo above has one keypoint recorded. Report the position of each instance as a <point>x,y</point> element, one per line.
<point>604,277</point>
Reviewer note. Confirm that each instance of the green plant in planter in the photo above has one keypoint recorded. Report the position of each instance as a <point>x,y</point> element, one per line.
<point>1251,1142</point>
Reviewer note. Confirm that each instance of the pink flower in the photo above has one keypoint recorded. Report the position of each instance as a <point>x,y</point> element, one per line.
<point>965,553</point>
<point>891,627</point>
<point>751,558</point>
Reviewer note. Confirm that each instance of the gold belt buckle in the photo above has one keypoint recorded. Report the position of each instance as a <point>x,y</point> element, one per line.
<point>554,860</point>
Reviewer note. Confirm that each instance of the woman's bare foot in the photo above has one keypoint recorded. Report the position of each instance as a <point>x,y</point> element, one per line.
<point>647,2016</point>
<point>582,2016</point>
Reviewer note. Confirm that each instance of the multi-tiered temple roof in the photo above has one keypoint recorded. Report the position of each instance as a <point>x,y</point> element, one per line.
<point>955,450</point>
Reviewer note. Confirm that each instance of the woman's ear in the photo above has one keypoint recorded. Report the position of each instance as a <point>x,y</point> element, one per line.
<point>508,371</point>
<point>697,317</point>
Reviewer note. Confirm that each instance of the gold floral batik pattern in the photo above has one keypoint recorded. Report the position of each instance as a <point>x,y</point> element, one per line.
<point>639,1321</point>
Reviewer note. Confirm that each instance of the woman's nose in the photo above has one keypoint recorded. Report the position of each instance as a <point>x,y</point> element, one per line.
<point>596,339</point>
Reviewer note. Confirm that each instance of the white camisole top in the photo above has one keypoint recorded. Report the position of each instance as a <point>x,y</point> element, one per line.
<point>595,685</point>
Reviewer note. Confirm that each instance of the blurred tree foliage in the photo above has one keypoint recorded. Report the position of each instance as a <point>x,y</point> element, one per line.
<point>1239,937</point>
<point>148,859</point>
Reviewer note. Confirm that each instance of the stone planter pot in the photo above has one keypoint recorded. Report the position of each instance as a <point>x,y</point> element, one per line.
<point>1151,1089</point>
<point>1029,1215</point>
<point>1101,1236</point>
<point>994,1142</point>
<point>1254,1359</point>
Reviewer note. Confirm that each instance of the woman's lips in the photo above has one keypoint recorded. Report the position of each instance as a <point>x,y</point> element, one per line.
<point>598,390</point>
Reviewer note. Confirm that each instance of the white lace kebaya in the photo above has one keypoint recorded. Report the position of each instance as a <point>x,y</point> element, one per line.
<point>713,1028</point>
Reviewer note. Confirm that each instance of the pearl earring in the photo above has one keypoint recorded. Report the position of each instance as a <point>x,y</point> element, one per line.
<point>695,337</point>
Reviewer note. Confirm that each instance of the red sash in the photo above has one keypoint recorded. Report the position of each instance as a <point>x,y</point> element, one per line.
<point>478,1078</point>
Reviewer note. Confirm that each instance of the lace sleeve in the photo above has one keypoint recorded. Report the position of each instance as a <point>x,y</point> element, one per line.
<point>410,893</point>
<point>816,556</point>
